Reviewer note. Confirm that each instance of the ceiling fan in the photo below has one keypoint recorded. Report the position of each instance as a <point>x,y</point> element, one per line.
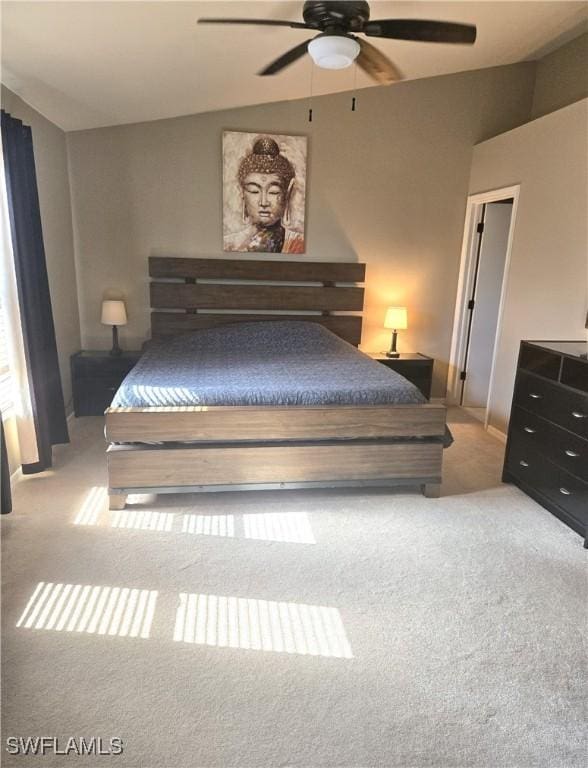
<point>337,46</point>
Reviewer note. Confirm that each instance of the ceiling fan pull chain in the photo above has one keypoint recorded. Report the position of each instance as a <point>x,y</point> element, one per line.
<point>353,99</point>
<point>311,84</point>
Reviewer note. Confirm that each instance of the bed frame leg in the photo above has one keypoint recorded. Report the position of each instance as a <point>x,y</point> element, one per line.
<point>431,490</point>
<point>117,501</point>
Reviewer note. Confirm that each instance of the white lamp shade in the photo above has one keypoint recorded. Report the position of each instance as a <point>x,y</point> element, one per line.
<point>333,51</point>
<point>396,318</point>
<point>114,313</point>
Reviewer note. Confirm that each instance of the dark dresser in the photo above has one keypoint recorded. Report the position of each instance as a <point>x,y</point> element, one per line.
<point>96,375</point>
<point>547,447</point>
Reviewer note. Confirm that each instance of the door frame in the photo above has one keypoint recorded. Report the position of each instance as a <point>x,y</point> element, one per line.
<point>465,284</point>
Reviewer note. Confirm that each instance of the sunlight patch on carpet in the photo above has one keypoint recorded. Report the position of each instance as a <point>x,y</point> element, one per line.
<point>119,611</point>
<point>142,520</point>
<point>209,525</point>
<point>94,503</point>
<point>262,625</point>
<point>291,527</point>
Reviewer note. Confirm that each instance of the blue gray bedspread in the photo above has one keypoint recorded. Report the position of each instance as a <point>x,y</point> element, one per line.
<point>261,363</point>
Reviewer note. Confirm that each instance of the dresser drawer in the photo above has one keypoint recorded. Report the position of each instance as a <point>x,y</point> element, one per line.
<point>526,464</point>
<point>553,402</point>
<point>570,453</point>
<point>571,494</point>
<point>567,450</point>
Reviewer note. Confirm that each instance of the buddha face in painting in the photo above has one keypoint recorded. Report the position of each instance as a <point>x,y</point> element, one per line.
<point>266,178</point>
<point>265,198</point>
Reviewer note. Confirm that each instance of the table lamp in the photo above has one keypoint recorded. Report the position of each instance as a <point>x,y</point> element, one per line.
<point>114,313</point>
<point>397,320</point>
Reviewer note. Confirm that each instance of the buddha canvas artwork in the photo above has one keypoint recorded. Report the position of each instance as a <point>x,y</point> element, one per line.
<point>264,190</point>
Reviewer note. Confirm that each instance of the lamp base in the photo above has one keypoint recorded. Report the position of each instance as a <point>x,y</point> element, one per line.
<point>392,351</point>
<point>116,351</point>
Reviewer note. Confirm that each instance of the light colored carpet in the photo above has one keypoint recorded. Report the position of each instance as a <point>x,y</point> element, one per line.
<point>342,628</point>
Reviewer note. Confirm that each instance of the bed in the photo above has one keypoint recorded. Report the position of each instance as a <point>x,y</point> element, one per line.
<point>231,395</point>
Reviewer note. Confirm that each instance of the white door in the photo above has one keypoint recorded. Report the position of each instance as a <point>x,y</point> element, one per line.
<point>486,303</point>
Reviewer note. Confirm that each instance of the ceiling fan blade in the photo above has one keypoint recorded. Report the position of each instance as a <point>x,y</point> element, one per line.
<point>264,22</point>
<point>286,59</point>
<point>376,65</point>
<point>421,30</point>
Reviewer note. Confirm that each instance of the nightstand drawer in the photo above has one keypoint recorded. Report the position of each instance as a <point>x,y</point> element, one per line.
<point>424,385</point>
<point>96,376</point>
<point>92,398</point>
<point>562,406</point>
<point>417,369</point>
<point>110,368</point>
<point>409,368</point>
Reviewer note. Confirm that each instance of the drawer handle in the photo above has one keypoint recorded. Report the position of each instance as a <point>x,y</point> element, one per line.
<point>572,454</point>
<point>530,430</point>
<point>578,415</point>
<point>524,463</point>
<point>565,491</point>
<point>535,396</point>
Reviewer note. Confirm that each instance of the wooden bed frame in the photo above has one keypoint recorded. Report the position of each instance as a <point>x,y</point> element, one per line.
<point>200,448</point>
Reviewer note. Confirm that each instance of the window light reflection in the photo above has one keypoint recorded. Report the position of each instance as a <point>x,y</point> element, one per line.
<point>120,611</point>
<point>142,519</point>
<point>209,525</point>
<point>94,503</point>
<point>263,625</point>
<point>292,527</point>
<point>287,527</point>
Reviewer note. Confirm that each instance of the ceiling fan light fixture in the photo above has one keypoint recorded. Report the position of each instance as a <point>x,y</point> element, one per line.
<point>333,51</point>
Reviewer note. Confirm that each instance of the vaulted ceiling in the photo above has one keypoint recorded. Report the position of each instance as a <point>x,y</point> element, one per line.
<point>89,64</point>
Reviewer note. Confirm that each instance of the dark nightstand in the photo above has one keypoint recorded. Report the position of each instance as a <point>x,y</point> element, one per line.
<point>415,367</point>
<point>95,378</point>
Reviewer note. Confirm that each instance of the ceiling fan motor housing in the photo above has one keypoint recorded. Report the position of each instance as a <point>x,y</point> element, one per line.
<point>346,16</point>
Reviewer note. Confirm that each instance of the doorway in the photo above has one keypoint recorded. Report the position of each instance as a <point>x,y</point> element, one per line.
<point>485,258</point>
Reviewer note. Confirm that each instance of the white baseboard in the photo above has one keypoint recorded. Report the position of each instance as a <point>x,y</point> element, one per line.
<point>496,433</point>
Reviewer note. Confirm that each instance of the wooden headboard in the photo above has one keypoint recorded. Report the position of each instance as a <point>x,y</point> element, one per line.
<point>274,285</point>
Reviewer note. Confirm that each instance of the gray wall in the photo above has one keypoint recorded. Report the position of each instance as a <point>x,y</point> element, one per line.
<point>562,77</point>
<point>386,185</point>
<point>52,178</point>
<point>547,282</point>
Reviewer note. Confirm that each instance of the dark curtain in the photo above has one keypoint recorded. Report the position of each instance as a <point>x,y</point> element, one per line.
<point>33,290</point>
<point>5,495</point>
